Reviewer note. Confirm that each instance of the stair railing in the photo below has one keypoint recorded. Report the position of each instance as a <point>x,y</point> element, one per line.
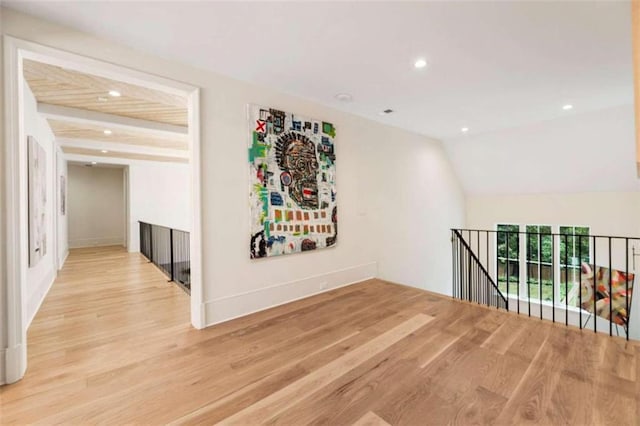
<point>582,280</point>
<point>168,249</point>
<point>471,281</point>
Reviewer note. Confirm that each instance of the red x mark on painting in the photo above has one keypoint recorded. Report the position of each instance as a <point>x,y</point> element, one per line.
<point>261,126</point>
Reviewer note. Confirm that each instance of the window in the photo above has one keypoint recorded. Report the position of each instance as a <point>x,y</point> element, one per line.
<point>539,262</point>
<point>531,269</point>
<point>575,248</point>
<point>508,257</point>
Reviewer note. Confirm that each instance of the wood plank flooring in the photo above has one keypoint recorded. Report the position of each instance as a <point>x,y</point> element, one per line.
<point>112,344</point>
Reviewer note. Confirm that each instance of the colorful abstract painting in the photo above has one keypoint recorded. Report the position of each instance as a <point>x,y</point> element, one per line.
<point>293,183</point>
<point>37,201</point>
<point>607,299</point>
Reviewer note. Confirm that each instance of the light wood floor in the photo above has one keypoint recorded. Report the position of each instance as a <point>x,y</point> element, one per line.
<point>112,345</point>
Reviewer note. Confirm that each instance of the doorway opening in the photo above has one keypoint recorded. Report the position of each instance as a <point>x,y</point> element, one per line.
<point>81,114</point>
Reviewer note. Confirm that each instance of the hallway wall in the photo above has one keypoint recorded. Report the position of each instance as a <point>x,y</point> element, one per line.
<point>160,194</point>
<point>96,206</point>
<point>386,229</point>
<point>40,277</point>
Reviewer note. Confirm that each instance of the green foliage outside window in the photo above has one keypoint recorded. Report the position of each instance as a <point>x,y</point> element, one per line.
<point>572,248</point>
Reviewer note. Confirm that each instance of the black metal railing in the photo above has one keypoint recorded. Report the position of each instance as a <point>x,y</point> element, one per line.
<point>471,281</point>
<point>168,249</point>
<point>576,278</point>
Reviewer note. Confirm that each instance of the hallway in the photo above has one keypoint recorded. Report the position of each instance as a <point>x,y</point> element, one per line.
<point>108,310</point>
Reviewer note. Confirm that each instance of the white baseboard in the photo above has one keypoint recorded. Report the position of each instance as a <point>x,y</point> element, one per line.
<point>239,305</point>
<point>3,362</point>
<point>64,259</point>
<point>35,300</point>
<point>13,364</point>
<point>96,242</point>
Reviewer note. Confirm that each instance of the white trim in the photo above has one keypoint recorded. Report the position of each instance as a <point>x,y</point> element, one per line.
<point>32,313</point>
<point>115,161</point>
<point>121,147</point>
<point>15,361</point>
<point>15,50</point>
<point>84,64</point>
<point>97,242</point>
<point>64,259</point>
<point>3,362</point>
<point>198,313</point>
<point>241,304</point>
<point>15,190</point>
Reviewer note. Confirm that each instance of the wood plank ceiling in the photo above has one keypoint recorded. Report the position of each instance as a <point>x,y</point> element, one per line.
<point>68,130</point>
<point>58,86</point>
<point>81,92</point>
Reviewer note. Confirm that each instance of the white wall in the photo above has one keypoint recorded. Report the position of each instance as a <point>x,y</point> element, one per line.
<point>160,194</point>
<point>416,200</point>
<point>607,213</point>
<point>41,276</point>
<point>3,270</point>
<point>375,166</point>
<point>96,206</point>
<point>588,152</point>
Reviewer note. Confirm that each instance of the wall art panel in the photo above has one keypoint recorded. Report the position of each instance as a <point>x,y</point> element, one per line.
<point>293,183</point>
<point>37,158</point>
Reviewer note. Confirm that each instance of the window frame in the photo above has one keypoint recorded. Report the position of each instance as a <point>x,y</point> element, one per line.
<point>523,261</point>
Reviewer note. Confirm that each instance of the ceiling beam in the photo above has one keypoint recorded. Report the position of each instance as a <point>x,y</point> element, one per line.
<point>120,147</point>
<point>635,23</point>
<point>82,116</point>
<point>75,153</point>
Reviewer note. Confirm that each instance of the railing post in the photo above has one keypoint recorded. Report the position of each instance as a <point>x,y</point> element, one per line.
<point>470,274</point>
<point>150,243</point>
<point>553,276</point>
<point>595,288</point>
<point>626,284</point>
<point>580,280</point>
<point>171,250</point>
<point>506,266</point>
<point>540,269</point>
<point>610,291</point>
<point>566,281</point>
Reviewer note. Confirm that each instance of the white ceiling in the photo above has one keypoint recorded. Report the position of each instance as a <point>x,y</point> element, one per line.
<point>493,65</point>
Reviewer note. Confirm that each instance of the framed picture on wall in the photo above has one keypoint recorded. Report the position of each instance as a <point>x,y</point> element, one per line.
<point>37,188</point>
<point>63,195</point>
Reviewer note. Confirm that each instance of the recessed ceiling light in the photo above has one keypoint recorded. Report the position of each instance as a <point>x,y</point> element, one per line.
<point>567,107</point>
<point>344,97</point>
<point>114,93</point>
<point>104,151</point>
<point>94,162</point>
<point>102,99</point>
<point>420,63</point>
<point>464,129</point>
<point>107,131</point>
